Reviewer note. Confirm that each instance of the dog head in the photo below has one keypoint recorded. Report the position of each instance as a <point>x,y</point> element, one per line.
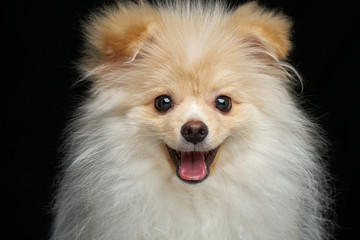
<point>193,82</point>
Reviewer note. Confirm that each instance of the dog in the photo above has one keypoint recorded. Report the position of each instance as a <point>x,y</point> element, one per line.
<point>191,130</point>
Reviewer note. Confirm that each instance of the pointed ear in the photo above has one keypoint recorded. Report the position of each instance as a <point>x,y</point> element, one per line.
<point>119,33</point>
<point>267,29</point>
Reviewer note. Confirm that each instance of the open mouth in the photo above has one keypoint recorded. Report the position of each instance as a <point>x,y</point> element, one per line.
<point>192,167</point>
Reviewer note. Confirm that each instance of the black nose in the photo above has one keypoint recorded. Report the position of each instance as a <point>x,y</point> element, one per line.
<point>194,131</point>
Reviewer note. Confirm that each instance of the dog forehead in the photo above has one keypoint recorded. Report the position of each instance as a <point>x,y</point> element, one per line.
<point>196,86</point>
<point>194,44</point>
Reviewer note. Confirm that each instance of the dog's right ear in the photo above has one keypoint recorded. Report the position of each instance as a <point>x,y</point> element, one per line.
<point>119,33</point>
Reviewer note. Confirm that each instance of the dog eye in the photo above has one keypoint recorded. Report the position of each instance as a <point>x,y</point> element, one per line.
<point>223,103</point>
<point>163,103</point>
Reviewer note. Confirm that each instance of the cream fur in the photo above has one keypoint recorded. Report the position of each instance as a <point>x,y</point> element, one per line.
<point>267,181</point>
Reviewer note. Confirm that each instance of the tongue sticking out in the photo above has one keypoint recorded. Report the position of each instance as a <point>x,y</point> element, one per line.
<point>192,167</point>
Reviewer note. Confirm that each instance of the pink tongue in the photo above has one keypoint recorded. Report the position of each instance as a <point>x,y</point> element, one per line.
<point>192,166</point>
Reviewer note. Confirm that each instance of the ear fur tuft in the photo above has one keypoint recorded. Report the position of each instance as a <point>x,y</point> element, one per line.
<point>270,28</point>
<point>118,33</point>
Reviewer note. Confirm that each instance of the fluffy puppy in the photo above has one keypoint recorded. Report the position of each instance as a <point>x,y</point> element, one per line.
<point>191,130</point>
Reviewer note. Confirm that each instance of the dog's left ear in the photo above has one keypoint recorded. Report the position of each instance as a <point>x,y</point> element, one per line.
<point>264,28</point>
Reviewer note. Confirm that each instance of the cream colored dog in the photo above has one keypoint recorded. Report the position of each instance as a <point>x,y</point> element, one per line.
<point>190,130</point>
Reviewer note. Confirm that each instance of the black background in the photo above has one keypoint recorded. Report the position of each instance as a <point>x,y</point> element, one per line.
<point>40,40</point>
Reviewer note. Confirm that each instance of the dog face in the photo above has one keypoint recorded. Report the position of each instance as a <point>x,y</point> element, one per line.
<point>192,115</point>
<point>192,86</point>
<point>189,112</point>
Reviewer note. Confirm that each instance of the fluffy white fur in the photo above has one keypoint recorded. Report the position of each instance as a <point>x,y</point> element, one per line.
<point>267,182</point>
